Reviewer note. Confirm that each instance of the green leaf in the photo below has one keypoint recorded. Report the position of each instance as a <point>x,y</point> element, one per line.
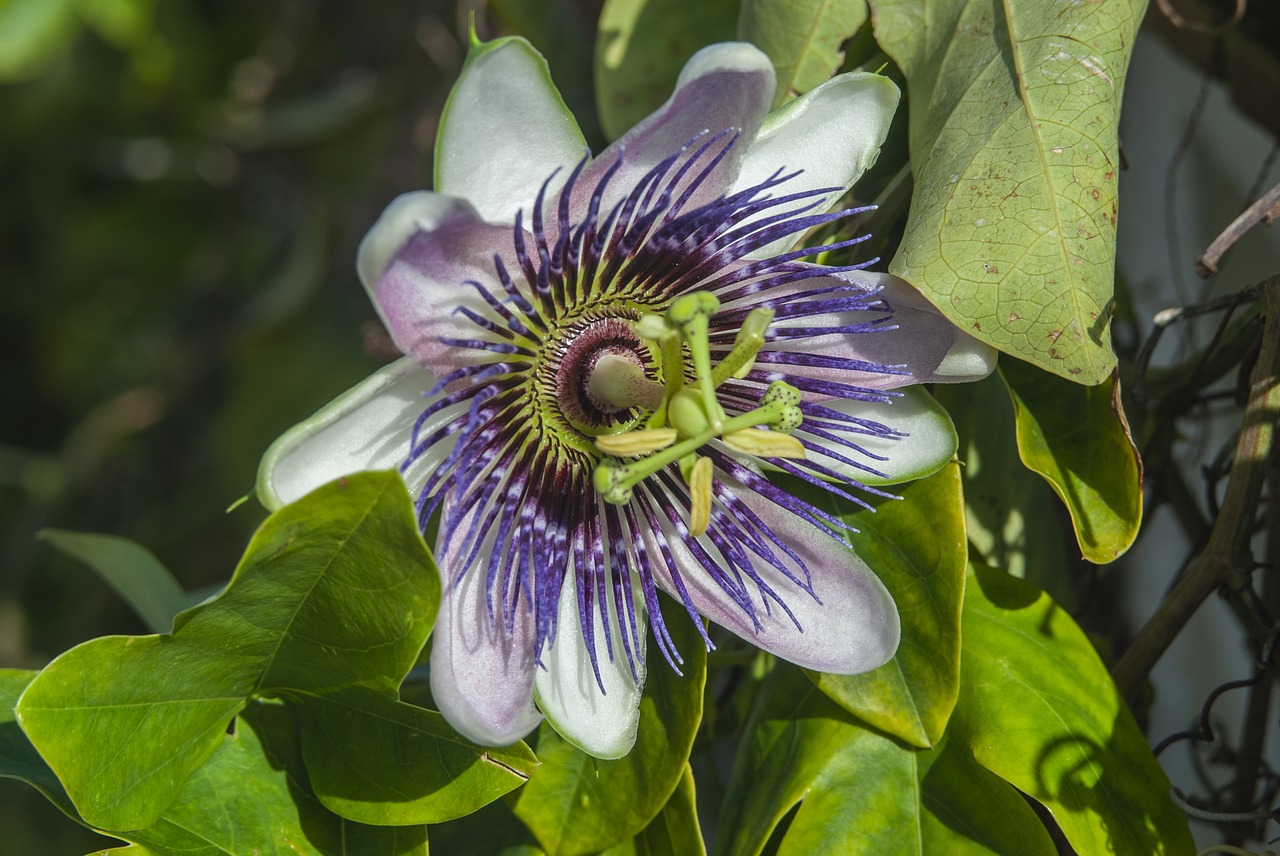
<point>1014,107</point>
<point>1012,518</point>
<point>381,761</point>
<point>1078,439</point>
<point>18,758</point>
<point>674,832</point>
<point>335,590</point>
<point>641,45</point>
<point>491,830</point>
<point>793,732</point>
<point>130,569</point>
<point>969,810</point>
<point>922,803</point>
<point>916,546</point>
<point>800,746</point>
<point>577,804</point>
<point>804,38</point>
<point>1040,711</point>
<point>251,798</point>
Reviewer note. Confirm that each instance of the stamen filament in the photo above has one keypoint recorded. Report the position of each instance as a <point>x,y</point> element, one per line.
<point>746,344</point>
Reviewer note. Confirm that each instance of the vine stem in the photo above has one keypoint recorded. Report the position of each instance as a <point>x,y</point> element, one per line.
<point>1227,550</point>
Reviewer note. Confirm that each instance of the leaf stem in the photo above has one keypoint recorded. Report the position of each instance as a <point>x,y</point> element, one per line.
<point>1226,552</point>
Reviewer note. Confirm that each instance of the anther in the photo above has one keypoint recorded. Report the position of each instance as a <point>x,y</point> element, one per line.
<point>700,497</point>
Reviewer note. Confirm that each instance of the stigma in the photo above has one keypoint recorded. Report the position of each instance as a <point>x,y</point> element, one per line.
<point>686,414</point>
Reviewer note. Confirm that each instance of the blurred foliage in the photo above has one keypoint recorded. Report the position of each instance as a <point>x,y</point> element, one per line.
<point>185,185</point>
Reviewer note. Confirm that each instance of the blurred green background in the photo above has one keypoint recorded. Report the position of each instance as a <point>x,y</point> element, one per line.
<point>184,186</point>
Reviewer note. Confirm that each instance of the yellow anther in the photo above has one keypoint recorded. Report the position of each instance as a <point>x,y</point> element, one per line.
<point>765,444</point>
<point>640,442</point>
<point>700,493</point>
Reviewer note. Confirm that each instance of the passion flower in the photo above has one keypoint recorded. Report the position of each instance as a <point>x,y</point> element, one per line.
<point>605,358</point>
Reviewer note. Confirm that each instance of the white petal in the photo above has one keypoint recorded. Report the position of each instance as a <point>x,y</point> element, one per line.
<point>600,724</point>
<point>832,132</point>
<point>504,130</point>
<point>919,341</point>
<point>929,443</point>
<point>854,629</point>
<point>408,213</point>
<point>967,360</point>
<point>723,87</point>
<point>416,262</point>
<point>481,675</point>
<point>366,428</point>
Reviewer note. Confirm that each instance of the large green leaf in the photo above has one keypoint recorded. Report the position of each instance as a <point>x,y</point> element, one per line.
<point>335,590</point>
<point>251,799</point>
<point>804,38</point>
<point>641,45</point>
<point>1078,439</point>
<point>1014,107</point>
<point>863,792</point>
<point>1039,710</point>
<point>131,569</point>
<point>577,804</point>
<point>916,804</point>
<point>377,760</point>
<point>917,547</point>
<point>674,832</point>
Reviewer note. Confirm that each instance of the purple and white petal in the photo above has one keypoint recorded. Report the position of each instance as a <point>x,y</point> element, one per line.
<point>602,724</point>
<point>876,334</point>
<point>966,358</point>
<point>879,443</point>
<point>849,624</point>
<point>424,263</point>
<point>722,94</point>
<point>504,129</point>
<point>366,428</point>
<point>832,133</point>
<point>481,670</point>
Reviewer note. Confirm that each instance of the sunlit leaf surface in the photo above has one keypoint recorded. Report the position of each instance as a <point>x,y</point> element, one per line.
<point>381,761</point>
<point>804,38</point>
<point>641,45</point>
<point>1014,107</point>
<point>335,591</point>
<point>251,799</point>
<point>1077,438</point>
<point>863,792</point>
<point>1040,711</point>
